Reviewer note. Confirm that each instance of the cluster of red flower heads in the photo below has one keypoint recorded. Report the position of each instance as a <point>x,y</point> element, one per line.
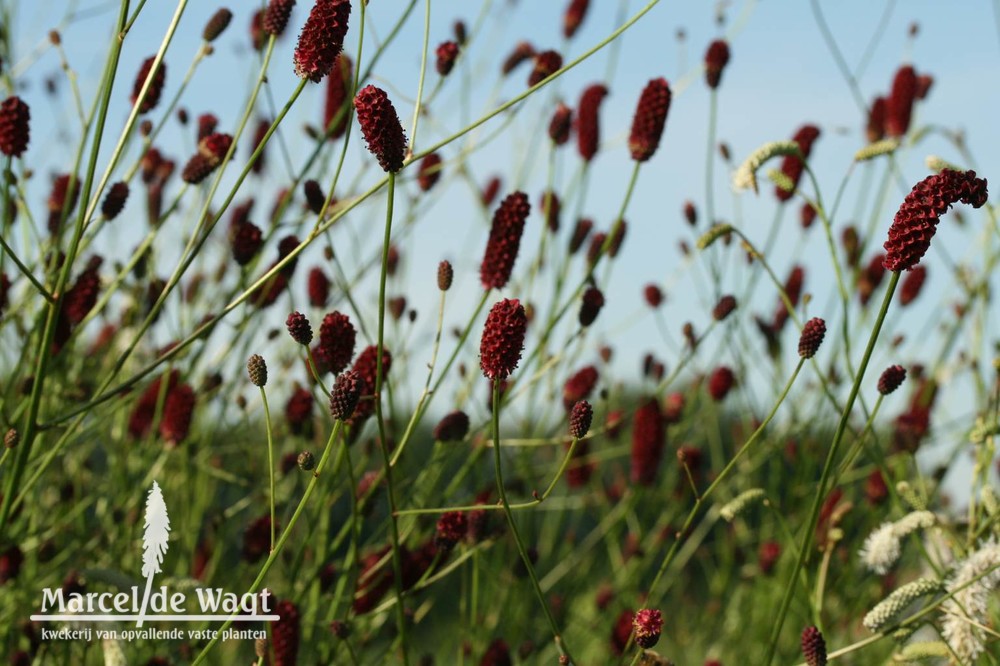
<point>174,399</point>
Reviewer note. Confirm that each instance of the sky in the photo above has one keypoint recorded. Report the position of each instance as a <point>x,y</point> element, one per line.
<point>781,75</point>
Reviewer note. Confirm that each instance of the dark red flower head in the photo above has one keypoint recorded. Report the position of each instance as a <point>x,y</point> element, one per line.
<point>452,428</point>
<point>560,125</point>
<point>497,654</point>
<point>451,528</point>
<point>445,275</point>
<point>366,365</point>
<point>155,87</point>
<point>812,337</point>
<point>576,11</point>
<point>522,51</point>
<point>217,24</point>
<point>285,633</point>
<point>916,220</point>
<point>257,35</point>
<point>381,128</point>
<point>246,239</point>
<point>114,200</point>
<point>298,409</point>
<point>276,17</point>
<point>14,126</point>
<point>581,231</point>
<point>653,295</point>
<point>912,284</point>
<point>345,395</point>
<point>178,410</point>
<point>546,64</point>
<point>429,172</point>
<point>590,306</point>
<point>321,39</point>
<point>588,132</point>
<point>338,94</point>
<point>446,53</point>
<point>647,625</point>
<point>891,378</point>
<point>724,307</point>
<point>504,241</point>
<point>875,129</point>
<point>791,165</point>
<point>503,339</point>
<point>336,341</point>
<point>650,116</point>
<point>621,631</point>
<point>580,418</point>
<point>551,207</point>
<point>720,383</point>
<point>716,59</point>
<point>813,647</point>
<point>579,386</point>
<point>319,287</point>
<point>899,106</point>
<point>299,328</point>
<point>649,432</point>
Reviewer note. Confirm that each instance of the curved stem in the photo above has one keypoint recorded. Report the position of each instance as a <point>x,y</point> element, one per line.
<point>270,459</point>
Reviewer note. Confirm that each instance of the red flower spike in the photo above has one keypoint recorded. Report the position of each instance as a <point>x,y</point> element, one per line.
<point>916,220</point>
<point>690,213</point>
<point>560,125</point>
<point>62,197</point>
<point>321,39</point>
<point>381,128</point>
<point>716,59</point>
<point>891,379</point>
<point>285,633</point>
<point>546,64</point>
<point>580,418</point>
<point>452,428</point>
<point>114,200</point>
<point>653,296</point>
<point>720,383</point>
<point>207,123</point>
<point>299,328</point>
<point>503,339</point>
<point>550,207</point>
<point>875,129</point>
<point>451,528</point>
<point>345,395</point>
<point>298,410</point>
<point>245,239</point>
<point>155,87</point>
<point>791,165</point>
<point>807,215</point>
<point>579,386</point>
<point>504,241</point>
<point>178,410</point>
<point>590,306</point>
<point>445,275</point>
<point>646,626</point>
<point>650,117</point>
<point>141,419</point>
<point>319,287</point>
<point>724,307</point>
<point>899,106</point>
<point>336,106</point>
<point>217,24</point>
<point>580,233</point>
<point>336,341</point>
<point>276,17</point>
<point>912,284</point>
<point>15,128</point>
<point>446,53</point>
<point>576,11</point>
<point>314,196</point>
<point>621,632</point>
<point>257,35</point>
<point>490,191</point>
<point>497,654</point>
<point>366,366</point>
<point>429,172</point>
<point>813,647</point>
<point>258,138</point>
<point>588,132</point>
<point>522,52</point>
<point>648,441</point>
<point>812,337</point>
<point>924,84</point>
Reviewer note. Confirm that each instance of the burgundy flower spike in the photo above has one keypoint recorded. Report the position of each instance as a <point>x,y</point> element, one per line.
<point>321,39</point>
<point>381,128</point>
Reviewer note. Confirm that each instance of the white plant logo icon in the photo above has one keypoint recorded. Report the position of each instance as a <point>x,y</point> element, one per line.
<point>155,539</point>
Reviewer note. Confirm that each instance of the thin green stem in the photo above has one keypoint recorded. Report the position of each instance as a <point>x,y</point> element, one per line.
<point>560,643</point>
<point>423,74</point>
<point>270,460</point>
<point>828,468</point>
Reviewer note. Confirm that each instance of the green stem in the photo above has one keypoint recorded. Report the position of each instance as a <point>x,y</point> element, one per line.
<point>560,643</point>
<point>270,459</point>
<point>397,560</point>
<point>827,469</point>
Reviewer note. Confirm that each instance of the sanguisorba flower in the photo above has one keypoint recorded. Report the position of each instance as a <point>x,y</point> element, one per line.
<point>504,241</point>
<point>561,124</point>
<point>381,127</point>
<point>579,386</point>
<point>891,378</point>
<point>916,220</point>
<point>875,128</point>
<point>813,647</point>
<point>812,337</point>
<point>14,126</point>
<point>546,64</point>
<point>576,11</point>
<point>646,626</point>
<point>446,53</point>
<point>791,165</point>
<point>345,395</point>
<point>588,130</point>
<point>899,106</point>
<point>336,341</point>
<point>276,16</point>
<point>321,39</point>
<point>285,633</point>
<point>716,59</point>
<point>650,117</point>
<point>338,95</point>
<point>155,87</point>
<point>648,441</point>
<point>912,284</point>
<point>503,339</point>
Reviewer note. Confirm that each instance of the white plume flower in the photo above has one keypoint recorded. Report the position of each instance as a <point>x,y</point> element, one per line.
<point>966,612</point>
